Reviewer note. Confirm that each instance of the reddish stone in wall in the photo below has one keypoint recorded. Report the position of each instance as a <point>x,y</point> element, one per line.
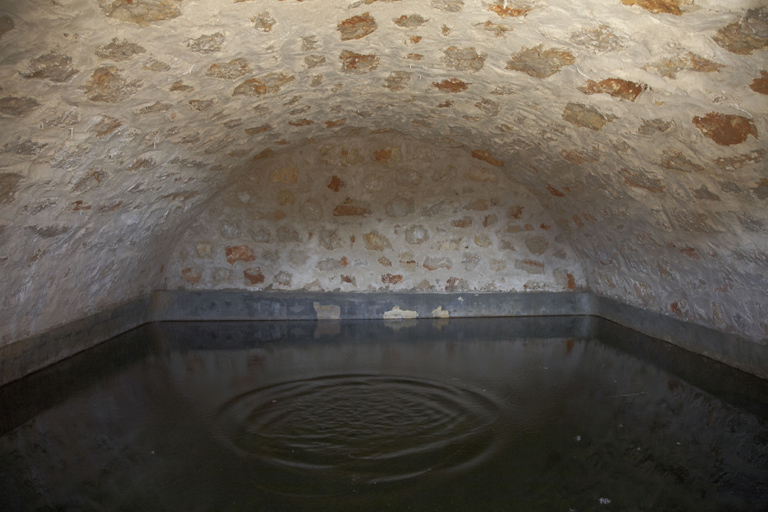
<point>335,184</point>
<point>530,266</point>
<point>375,241</point>
<point>725,129</point>
<point>229,70</point>
<point>106,86</point>
<point>263,22</point>
<point>554,191</point>
<point>540,63</point>
<point>267,84</point>
<point>456,284</point>
<point>505,11</point>
<point>578,157</point>
<point>141,164</point>
<point>687,62</point>
<point>616,87</point>
<point>658,6</point>
<point>640,180</point>
<point>412,21</point>
<point>486,157</point>
<point>435,262</point>
<point>356,27</point>
<point>383,154</point>
<point>760,84</point>
<point>336,123</point>
<point>191,275</point>
<point>264,154</point>
<point>109,208</point>
<point>463,222</point>
<point>742,36</point>
<point>352,62</point>
<point>690,252</point>
<point>106,126</point>
<point>350,210</point>
<point>239,253</point>
<point>254,276</point>
<point>257,129</point>
<point>451,85</point>
<point>391,279</point>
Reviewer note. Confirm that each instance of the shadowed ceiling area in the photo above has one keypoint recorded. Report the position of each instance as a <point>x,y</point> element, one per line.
<point>616,146</point>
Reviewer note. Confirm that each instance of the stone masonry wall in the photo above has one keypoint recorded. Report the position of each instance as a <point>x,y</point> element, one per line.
<point>378,213</point>
<point>634,129</point>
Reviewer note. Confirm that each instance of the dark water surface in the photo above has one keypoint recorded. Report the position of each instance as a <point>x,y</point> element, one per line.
<point>551,414</point>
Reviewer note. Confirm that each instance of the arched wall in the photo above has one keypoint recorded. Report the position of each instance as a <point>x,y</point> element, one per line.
<point>684,236</point>
<point>637,126</point>
<point>375,213</point>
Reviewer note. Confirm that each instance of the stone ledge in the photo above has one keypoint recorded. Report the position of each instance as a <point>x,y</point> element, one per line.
<point>26,356</point>
<point>237,305</point>
<point>728,348</point>
<point>29,355</point>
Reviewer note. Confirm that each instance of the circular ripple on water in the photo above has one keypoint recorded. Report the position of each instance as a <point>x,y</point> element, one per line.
<point>362,428</point>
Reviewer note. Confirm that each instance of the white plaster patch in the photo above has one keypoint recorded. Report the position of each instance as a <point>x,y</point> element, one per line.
<point>400,314</point>
<point>327,312</point>
<point>440,313</point>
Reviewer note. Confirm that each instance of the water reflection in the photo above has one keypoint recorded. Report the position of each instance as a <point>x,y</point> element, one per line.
<point>494,414</point>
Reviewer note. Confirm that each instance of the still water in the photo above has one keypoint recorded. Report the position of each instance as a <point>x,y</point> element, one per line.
<point>551,414</point>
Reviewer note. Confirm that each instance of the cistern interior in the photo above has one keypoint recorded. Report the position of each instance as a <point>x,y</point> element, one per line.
<point>608,150</point>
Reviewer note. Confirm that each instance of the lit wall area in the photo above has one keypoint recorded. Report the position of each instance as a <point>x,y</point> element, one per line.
<point>375,214</point>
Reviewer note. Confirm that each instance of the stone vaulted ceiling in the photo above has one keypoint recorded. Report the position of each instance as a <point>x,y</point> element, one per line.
<point>639,126</point>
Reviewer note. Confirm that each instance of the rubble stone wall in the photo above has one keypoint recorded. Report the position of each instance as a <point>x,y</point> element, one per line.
<point>133,133</point>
